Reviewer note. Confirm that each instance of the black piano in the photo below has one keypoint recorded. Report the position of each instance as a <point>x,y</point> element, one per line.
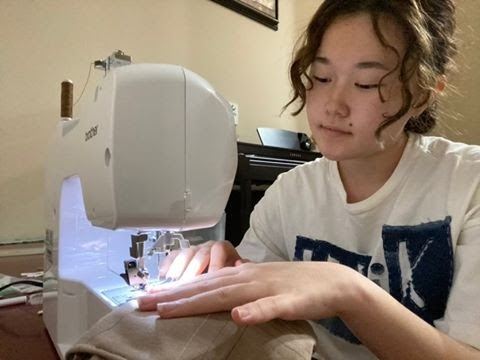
<point>258,167</point>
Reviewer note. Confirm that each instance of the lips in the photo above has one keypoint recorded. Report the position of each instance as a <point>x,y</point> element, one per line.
<point>334,131</point>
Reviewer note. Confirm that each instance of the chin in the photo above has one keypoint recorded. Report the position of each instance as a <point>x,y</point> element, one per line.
<point>329,152</point>
<point>343,154</point>
<point>332,155</point>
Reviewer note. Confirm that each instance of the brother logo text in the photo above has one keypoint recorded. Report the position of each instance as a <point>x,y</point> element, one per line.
<point>91,133</point>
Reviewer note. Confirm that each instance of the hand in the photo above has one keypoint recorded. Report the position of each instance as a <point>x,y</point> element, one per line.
<point>258,293</point>
<point>188,263</point>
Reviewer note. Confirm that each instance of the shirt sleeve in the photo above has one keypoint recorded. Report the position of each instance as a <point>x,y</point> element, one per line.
<point>462,315</point>
<point>264,240</point>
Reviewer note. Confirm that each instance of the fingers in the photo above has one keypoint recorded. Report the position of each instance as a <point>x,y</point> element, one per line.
<point>197,264</point>
<point>198,279</point>
<point>193,261</point>
<point>204,303</point>
<point>186,263</point>
<point>180,263</point>
<point>192,299</point>
<point>241,261</point>
<point>185,288</point>
<point>218,299</point>
<point>222,253</point>
<point>166,263</point>
<point>265,309</point>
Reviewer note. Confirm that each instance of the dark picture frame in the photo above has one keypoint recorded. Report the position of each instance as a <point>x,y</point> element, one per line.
<point>263,11</point>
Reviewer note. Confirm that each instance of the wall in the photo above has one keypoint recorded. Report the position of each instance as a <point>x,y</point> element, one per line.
<point>42,42</point>
<point>461,105</point>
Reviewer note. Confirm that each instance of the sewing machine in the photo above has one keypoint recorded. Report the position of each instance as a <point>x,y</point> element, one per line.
<point>152,155</point>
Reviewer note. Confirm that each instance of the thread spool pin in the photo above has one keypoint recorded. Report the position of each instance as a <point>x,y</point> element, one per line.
<point>66,100</point>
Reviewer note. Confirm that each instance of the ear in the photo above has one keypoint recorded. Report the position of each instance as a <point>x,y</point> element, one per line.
<point>418,109</point>
<point>441,84</point>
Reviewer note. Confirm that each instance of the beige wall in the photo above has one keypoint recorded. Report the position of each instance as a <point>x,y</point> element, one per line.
<point>43,42</point>
<point>461,105</point>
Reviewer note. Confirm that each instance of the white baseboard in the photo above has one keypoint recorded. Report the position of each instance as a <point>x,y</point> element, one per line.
<point>22,249</point>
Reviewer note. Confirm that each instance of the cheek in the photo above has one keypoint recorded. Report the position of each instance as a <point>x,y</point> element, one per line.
<point>367,114</point>
<point>393,99</point>
<point>312,107</point>
<point>311,99</point>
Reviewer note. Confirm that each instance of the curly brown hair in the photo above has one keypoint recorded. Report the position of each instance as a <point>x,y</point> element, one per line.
<point>429,27</point>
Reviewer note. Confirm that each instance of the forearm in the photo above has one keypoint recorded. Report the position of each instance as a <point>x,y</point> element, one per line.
<point>391,331</point>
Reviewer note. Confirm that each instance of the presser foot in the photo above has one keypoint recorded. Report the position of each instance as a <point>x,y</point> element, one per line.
<point>134,275</point>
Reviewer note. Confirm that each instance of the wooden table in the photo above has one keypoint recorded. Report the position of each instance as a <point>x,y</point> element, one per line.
<point>23,334</point>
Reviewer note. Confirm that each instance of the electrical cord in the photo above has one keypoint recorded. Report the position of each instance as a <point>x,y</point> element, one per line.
<point>27,282</point>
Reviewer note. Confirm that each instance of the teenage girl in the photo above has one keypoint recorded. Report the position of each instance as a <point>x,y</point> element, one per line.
<point>377,244</point>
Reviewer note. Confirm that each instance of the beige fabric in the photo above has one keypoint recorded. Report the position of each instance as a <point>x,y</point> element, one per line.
<point>134,335</point>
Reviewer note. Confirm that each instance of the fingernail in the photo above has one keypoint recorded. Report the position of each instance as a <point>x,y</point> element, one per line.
<point>165,280</point>
<point>243,313</point>
<point>145,301</point>
<point>163,307</point>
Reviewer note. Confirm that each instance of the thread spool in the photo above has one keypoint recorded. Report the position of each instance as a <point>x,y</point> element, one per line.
<point>66,100</point>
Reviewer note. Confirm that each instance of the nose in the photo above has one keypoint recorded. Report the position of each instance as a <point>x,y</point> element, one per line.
<point>337,104</point>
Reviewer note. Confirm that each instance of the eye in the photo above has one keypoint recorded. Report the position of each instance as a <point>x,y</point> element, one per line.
<point>367,86</point>
<point>321,79</point>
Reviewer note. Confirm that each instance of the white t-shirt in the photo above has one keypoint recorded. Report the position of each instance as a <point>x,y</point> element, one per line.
<point>418,236</point>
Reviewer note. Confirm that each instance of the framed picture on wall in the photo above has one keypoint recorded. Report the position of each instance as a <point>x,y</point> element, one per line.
<point>263,11</point>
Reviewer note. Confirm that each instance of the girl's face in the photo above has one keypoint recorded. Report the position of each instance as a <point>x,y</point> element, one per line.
<point>343,107</point>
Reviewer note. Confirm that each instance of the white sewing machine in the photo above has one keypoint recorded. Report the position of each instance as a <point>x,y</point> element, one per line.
<point>153,153</point>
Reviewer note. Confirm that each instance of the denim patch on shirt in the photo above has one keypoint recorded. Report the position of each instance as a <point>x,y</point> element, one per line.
<point>419,259</point>
<point>420,266</point>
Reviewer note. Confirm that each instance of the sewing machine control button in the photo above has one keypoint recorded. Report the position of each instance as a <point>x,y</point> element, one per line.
<point>377,268</point>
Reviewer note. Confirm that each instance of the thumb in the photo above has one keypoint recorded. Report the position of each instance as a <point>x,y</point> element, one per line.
<point>263,310</point>
<point>241,261</point>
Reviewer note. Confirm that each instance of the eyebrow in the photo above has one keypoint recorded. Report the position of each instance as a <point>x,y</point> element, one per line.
<point>360,65</point>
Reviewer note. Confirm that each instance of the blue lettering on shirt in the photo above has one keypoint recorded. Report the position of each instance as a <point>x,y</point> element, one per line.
<point>419,260</point>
